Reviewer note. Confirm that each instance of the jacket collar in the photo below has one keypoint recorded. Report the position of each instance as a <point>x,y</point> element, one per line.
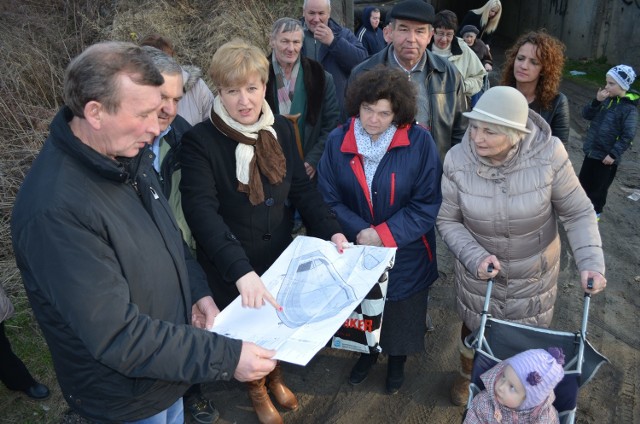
<point>456,50</point>
<point>432,62</point>
<point>120,170</point>
<point>400,139</point>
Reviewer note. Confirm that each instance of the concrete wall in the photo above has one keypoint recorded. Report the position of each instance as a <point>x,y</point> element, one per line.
<point>589,28</point>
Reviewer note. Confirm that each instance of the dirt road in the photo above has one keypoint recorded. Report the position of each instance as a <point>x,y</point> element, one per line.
<point>611,397</point>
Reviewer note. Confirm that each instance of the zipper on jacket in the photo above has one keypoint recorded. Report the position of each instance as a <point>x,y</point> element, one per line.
<point>134,184</point>
<point>154,193</point>
<point>393,189</point>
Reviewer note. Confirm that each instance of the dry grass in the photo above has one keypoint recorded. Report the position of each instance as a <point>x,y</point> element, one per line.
<point>37,40</point>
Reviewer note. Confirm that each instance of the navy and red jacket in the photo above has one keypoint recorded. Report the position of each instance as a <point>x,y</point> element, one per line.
<point>404,205</point>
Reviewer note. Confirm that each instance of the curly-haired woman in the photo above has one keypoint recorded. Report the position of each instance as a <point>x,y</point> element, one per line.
<point>380,173</point>
<point>534,65</point>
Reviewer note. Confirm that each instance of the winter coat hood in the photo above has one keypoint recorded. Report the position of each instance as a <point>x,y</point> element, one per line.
<point>366,17</point>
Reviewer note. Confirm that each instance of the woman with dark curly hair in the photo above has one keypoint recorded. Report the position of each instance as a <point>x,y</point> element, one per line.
<point>380,173</point>
<point>534,65</point>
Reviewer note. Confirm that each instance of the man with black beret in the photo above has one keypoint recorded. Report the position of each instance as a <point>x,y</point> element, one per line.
<point>440,91</point>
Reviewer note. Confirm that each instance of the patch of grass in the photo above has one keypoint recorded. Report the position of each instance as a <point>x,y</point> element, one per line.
<point>29,345</point>
<point>595,72</point>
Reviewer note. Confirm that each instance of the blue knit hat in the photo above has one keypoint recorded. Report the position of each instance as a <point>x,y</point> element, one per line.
<point>539,371</point>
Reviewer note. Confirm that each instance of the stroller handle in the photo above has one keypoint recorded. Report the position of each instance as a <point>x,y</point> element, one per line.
<point>589,287</point>
<point>485,309</point>
<point>485,313</point>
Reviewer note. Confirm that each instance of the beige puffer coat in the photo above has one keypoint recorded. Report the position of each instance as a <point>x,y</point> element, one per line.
<point>510,211</point>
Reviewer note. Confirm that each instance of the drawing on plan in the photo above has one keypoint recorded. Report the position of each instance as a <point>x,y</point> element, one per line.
<point>314,289</point>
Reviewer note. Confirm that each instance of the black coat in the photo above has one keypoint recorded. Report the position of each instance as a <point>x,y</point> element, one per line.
<point>232,236</point>
<point>103,264</point>
<point>557,116</point>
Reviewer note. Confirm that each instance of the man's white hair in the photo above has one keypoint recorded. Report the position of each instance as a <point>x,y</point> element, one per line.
<point>304,4</point>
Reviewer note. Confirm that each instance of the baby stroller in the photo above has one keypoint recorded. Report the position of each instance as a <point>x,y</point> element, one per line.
<point>496,340</point>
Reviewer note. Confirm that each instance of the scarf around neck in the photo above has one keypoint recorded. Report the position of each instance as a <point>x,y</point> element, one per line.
<point>372,152</point>
<point>442,52</point>
<point>285,88</point>
<point>258,150</point>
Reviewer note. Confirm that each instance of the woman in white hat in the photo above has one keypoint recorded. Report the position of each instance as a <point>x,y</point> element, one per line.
<point>502,188</point>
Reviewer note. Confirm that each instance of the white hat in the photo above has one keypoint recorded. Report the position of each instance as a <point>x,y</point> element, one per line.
<point>623,75</point>
<point>502,105</point>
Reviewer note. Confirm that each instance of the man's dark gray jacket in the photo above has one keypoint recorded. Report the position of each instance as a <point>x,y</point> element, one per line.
<point>103,264</point>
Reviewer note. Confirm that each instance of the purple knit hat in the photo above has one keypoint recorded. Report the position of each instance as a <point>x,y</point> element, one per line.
<point>539,371</point>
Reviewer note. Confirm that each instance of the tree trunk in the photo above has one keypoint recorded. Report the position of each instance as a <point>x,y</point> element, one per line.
<point>342,12</point>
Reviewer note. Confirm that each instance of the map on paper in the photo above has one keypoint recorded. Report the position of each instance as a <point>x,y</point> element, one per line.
<point>317,287</point>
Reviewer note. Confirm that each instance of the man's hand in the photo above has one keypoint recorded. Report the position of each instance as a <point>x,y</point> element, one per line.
<point>369,237</point>
<point>255,362</point>
<point>204,312</point>
<point>311,171</point>
<point>323,34</point>
<point>254,293</point>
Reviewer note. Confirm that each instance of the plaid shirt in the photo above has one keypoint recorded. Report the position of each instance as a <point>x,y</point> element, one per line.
<point>486,410</point>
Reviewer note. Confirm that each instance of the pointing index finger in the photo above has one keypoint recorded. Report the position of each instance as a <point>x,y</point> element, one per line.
<point>267,296</point>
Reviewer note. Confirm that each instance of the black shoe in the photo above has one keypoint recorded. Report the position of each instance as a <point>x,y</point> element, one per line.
<point>201,409</point>
<point>37,391</point>
<point>361,369</point>
<point>395,373</point>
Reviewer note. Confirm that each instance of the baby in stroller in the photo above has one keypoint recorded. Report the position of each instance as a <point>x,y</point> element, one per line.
<point>519,389</point>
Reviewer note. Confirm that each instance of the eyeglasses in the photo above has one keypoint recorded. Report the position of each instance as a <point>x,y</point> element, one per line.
<point>442,34</point>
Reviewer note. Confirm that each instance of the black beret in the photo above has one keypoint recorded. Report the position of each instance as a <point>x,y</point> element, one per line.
<point>469,28</point>
<point>414,10</point>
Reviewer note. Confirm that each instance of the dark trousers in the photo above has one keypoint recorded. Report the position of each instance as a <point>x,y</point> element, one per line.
<point>13,373</point>
<point>596,178</point>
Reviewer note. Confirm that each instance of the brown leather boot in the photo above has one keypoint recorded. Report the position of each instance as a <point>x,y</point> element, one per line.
<point>460,389</point>
<point>283,395</point>
<point>267,413</point>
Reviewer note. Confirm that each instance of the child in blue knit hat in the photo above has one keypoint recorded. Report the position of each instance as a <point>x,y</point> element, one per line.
<point>614,119</point>
<point>519,390</point>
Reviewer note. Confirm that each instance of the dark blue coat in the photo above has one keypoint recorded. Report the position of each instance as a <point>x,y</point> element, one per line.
<point>371,39</point>
<point>613,126</point>
<point>405,204</point>
<point>339,58</point>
